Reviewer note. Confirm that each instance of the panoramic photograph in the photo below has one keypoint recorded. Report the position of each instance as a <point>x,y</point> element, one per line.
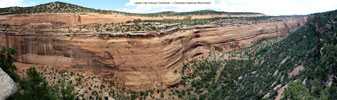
<point>168,49</point>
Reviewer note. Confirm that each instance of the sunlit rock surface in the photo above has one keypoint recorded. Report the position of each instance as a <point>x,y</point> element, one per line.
<point>136,61</point>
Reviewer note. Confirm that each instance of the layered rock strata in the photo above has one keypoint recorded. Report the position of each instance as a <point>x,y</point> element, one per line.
<point>96,18</point>
<point>136,61</point>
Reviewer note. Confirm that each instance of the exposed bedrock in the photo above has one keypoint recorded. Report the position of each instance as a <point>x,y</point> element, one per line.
<point>92,18</point>
<point>140,63</point>
<point>7,85</point>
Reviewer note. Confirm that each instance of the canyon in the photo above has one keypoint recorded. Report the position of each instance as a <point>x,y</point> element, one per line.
<point>137,61</point>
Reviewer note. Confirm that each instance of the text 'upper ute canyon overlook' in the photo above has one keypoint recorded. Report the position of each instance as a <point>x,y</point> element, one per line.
<point>168,50</point>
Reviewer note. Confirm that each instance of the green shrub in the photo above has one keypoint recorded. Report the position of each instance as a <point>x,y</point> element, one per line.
<point>297,91</point>
<point>261,51</point>
<point>6,62</point>
<point>134,96</point>
<point>35,87</point>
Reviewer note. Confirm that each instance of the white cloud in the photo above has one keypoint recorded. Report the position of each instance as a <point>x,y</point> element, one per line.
<point>269,7</point>
<point>10,3</point>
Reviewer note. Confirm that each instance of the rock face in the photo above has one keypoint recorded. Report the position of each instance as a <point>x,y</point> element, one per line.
<point>91,18</point>
<point>7,86</point>
<point>135,61</point>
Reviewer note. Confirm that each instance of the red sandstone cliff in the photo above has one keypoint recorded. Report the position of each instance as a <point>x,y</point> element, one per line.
<point>135,62</point>
<point>92,18</point>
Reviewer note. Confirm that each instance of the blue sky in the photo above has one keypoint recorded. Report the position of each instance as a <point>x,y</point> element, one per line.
<point>269,7</point>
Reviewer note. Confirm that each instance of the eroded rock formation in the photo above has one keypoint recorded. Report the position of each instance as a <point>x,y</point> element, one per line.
<point>92,18</point>
<point>135,61</point>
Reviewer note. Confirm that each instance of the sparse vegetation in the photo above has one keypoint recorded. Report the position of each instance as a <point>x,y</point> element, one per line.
<point>267,70</point>
<point>33,86</point>
<point>61,7</point>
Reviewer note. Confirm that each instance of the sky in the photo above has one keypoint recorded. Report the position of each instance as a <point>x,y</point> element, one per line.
<point>269,7</point>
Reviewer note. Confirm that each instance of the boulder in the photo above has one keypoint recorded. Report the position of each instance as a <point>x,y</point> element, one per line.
<point>7,85</point>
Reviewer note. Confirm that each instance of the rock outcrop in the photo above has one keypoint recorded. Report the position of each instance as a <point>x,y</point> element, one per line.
<point>7,85</point>
<point>135,61</point>
<point>95,18</point>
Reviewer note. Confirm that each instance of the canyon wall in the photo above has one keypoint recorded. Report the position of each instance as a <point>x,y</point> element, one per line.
<point>92,18</point>
<point>136,62</point>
